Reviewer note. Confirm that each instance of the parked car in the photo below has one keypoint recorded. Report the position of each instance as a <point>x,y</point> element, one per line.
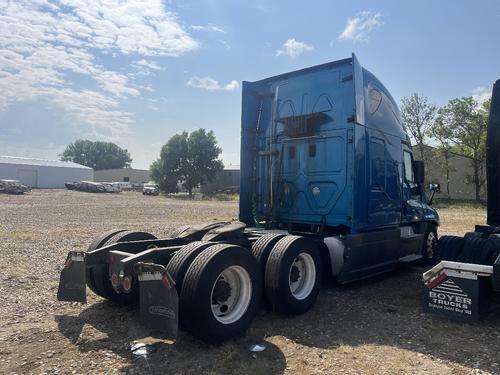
<point>111,188</point>
<point>12,187</point>
<point>150,189</point>
<point>93,187</point>
<point>122,185</point>
<point>71,185</point>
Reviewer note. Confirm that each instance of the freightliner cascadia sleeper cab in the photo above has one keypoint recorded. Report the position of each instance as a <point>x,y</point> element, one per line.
<point>324,153</point>
<point>329,186</point>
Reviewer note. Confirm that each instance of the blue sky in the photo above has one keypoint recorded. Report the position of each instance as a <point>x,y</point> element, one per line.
<point>137,72</point>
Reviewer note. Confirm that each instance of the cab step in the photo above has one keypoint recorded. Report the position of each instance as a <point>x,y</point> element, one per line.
<point>410,258</point>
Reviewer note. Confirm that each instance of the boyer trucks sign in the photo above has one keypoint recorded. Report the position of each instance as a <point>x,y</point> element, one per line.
<point>454,297</point>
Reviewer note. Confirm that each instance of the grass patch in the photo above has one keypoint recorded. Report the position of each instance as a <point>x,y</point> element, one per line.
<point>221,197</point>
<point>20,235</point>
<point>459,203</point>
<point>457,219</point>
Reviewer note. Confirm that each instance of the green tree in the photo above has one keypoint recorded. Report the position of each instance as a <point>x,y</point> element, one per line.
<point>191,159</point>
<point>470,122</point>
<point>97,155</point>
<point>418,115</point>
<point>167,170</point>
<point>442,131</point>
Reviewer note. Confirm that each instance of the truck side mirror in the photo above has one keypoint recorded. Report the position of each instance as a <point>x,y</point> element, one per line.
<point>435,188</point>
<point>419,171</point>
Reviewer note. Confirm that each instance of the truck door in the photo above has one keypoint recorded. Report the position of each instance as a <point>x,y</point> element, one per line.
<point>383,185</point>
<point>411,191</point>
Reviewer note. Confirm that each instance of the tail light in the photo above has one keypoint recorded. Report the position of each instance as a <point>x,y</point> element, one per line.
<point>166,282</point>
<point>127,284</point>
<point>114,280</point>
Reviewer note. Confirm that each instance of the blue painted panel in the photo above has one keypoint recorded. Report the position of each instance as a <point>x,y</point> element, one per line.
<point>378,144</point>
<point>317,188</point>
<point>322,145</point>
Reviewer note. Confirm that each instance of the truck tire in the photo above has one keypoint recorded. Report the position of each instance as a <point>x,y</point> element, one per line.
<point>492,256</point>
<point>96,244</point>
<point>178,231</point>
<point>103,238</point>
<point>100,274</point>
<point>472,249</point>
<point>263,246</point>
<point>479,250</point>
<point>293,275</point>
<point>429,245</point>
<point>449,248</point>
<point>472,235</point>
<point>182,259</point>
<point>487,253</point>
<point>220,293</point>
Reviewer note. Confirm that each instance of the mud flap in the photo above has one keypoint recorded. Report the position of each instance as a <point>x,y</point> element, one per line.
<point>459,291</point>
<point>72,283</point>
<point>159,300</point>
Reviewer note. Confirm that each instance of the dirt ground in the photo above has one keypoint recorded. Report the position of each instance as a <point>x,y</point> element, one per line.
<point>371,327</point>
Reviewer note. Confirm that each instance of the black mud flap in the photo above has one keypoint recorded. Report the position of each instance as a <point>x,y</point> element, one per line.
<point>72,283</point>
<point>159,299</point>
<point>459,291</point>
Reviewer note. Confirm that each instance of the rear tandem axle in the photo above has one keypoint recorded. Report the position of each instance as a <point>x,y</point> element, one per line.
<point>207,279</point>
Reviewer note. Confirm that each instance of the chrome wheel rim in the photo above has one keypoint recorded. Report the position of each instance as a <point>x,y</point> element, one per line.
<point>231,295</point>
<point>302,276</point>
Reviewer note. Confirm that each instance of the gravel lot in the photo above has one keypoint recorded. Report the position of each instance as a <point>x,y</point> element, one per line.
<point>370,327</point>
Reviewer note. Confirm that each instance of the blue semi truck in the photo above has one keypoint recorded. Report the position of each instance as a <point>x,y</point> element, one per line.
<point>329,186</point>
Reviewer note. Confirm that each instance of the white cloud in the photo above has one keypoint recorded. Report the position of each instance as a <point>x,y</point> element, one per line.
<point>481,94</point>
<point>360,26</point>
<point>144,67</point>
<point>293,48</point>
<point>232,86</point>
<point>45,44</point>
<point>209,27</point>
<point>115,83</point>
<point>148,64</point>
<point>210,84</point>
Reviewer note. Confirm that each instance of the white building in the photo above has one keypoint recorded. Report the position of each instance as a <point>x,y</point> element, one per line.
<point>44,174</point>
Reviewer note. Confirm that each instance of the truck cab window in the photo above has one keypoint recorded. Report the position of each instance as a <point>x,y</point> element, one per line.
<point>374,100</point>
<point>408,169</point>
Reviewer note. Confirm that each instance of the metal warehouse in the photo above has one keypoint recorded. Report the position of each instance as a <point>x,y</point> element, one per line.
<point>228,180</point>
<point>41,173</point>
<point>134,176</point>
